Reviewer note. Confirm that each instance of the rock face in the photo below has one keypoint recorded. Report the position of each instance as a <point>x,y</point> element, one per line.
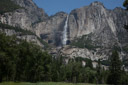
<point>96,19</point>
<point>51,29</point>
<point>25,17</point>
<point>103,27</point>
<point>28,37</point>
<point>84,53</point>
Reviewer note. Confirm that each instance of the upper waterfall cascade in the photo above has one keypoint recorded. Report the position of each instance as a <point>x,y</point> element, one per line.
<point>65,32</point>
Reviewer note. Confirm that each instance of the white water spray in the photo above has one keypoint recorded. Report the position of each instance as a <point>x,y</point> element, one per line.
<point>65,32</point>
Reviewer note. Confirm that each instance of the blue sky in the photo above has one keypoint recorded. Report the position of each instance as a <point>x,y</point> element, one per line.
<point>53,6</point>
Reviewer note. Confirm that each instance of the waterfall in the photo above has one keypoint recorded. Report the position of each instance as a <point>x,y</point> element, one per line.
<point>65,32</point>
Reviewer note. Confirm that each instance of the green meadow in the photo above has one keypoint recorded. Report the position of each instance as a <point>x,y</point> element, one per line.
<point>45,83</point>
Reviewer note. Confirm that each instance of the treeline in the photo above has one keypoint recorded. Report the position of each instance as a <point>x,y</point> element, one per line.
<point>22,32</point>
<point>23,61</point>
<point>7,6</point>
<point>75,72</point>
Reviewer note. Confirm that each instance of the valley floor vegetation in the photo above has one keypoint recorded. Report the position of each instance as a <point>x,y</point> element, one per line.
<point>46,83</point>
<point>21,61</point>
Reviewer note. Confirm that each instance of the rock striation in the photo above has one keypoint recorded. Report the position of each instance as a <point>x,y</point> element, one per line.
<point>25,17</point>
<point>103,27</point>
<point>51,29</point>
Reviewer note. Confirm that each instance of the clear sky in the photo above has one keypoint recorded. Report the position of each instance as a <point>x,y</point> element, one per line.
<point>53,6</point>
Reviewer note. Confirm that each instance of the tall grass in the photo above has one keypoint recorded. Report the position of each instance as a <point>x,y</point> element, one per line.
<point>44,83</point>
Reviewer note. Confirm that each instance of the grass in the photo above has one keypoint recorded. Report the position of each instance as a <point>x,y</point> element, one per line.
<point>44,83</point>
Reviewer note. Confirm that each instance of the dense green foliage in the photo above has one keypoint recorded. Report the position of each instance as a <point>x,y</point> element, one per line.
<point>7,6</point>
<point>105,62</point>
<point>23,61</point>
<point>125,4</point>
<point>45,83</point>
<point>22,32</point>
<point>73,71</point>
<point>115,69</point>
<point>46,46</point>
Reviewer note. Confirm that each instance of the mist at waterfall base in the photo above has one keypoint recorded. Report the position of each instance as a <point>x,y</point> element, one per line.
<point>65,33</point>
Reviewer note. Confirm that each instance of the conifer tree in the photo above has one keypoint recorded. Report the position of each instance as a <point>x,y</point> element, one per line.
<point>115,69</point>
<point>125,4</point>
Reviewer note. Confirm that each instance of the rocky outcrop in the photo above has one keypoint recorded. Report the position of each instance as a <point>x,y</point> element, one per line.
<point>28,37</point>
<point>84,53</point>
<point>25,17</point>
<point>103,27</point>
<point>51,30</point>
<point>96,19</point>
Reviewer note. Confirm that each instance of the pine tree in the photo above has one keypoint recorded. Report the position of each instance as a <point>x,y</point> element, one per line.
<point>99,69</point>
<point>125,4</point>
<point>115,69</point>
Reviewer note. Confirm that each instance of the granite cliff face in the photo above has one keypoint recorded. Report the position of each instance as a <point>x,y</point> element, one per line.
<point>96,19</point>
<point>51,29</point>
<point>98,29</point>
<point>25,17</point>
<point>103,27</point>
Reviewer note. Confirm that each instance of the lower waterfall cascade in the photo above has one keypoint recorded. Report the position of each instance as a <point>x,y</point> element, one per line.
<point>65,32</point>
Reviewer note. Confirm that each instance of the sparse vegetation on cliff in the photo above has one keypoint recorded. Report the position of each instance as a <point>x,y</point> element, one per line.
<point>83,42</point>
<point>22,32</point>
<point>7,6</point>
<point>17,29</point>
